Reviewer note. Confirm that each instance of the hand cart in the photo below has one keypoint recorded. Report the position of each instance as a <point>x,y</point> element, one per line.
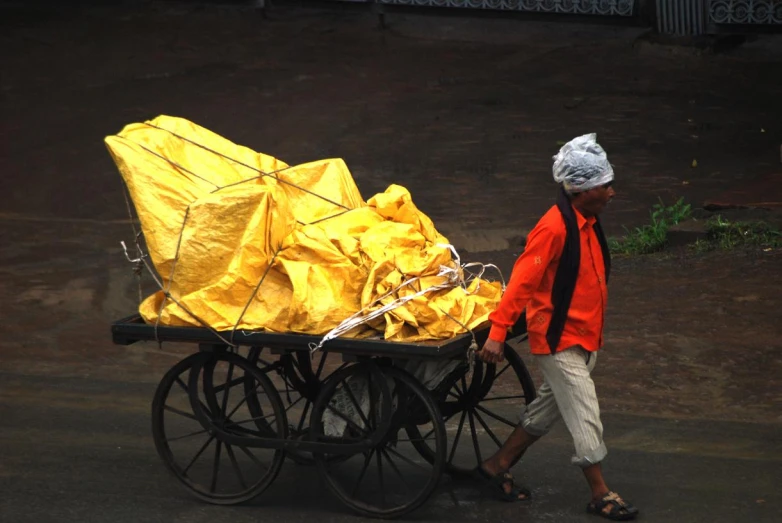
<point>225,417</point>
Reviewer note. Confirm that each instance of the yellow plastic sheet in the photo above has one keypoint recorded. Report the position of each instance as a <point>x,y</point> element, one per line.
<point>242,240</point>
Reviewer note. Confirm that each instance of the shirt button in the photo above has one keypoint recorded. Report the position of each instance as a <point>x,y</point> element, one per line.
<point>600,279</point>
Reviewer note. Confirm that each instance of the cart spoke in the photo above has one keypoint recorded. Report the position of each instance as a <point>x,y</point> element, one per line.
<point>303,416</point>
<point>289,386</point>
<point>227,387</point>
<point>236,430</point>
<point>242,431</point>
<point>445,420</point>
<point>367,460</point>
<point>293,404</point>
<point>495,398</point>
<point>460,391</point>
<point>180,412</point>
<point>235,464</point>
<point>410,440</point>
<point>229,382</point>
<point>496,376</point>
<point>456,438</point>
<point>496,416</point>
<point>239,405</point>
<point>251,420</point>
<point>327,378</point>
<point>216,467</point>
<point>487,429</point>
<point>426,436</point>
<point>190,435</point>
<point>356,404</point>
<point>272,416</point>
<point>406,459</point>
<point>198,454</point>
<point>380,477</point>
<point>253,457</point>
<point>474,436</point>
<point>237,381</point>
<point>371,402</point>
<point>182,384</point>
<point>461,421</point>
<point>396,469</point>
<point>244,400</point>
<point>321,364</point>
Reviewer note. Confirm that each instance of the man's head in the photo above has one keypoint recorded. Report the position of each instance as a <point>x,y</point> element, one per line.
<point>581,167</point>
<point>592,201</point>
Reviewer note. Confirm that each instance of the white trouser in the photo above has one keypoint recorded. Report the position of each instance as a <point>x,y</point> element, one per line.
<point>568,391</point>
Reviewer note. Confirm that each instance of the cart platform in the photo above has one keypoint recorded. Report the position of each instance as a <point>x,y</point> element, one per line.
<point>132,329</point>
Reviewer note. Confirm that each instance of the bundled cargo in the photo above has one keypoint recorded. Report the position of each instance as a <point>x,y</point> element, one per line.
<point>241,240</point>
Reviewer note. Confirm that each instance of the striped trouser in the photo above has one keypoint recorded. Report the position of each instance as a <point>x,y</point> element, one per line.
<point>568,391</point>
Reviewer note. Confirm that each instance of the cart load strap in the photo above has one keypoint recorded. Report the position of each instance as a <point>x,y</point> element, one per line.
<point>241,240</point>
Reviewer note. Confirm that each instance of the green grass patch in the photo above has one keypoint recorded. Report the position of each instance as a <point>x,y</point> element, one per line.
<point>652,237</point>
<point>726,235</point>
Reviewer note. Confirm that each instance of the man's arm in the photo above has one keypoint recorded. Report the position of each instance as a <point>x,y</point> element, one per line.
<point>543,245</point>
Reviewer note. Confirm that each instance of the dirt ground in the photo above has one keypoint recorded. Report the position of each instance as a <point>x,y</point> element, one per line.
<point>466,113</point>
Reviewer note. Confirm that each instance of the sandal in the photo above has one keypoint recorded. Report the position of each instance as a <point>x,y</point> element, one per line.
<point>612,507</point>
<point>499,482</point>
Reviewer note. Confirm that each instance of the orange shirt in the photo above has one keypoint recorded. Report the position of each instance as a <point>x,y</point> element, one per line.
<point>533,277</point>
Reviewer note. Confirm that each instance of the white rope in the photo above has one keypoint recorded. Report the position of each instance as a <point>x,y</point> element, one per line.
<point>453,277</point>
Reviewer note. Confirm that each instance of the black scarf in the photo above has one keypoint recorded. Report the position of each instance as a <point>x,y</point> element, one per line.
<point>567,272</point>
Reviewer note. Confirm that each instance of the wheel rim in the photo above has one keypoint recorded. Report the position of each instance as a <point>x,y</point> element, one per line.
<point>390,479</point>
<point>480,411</point>
<point>211,469</point>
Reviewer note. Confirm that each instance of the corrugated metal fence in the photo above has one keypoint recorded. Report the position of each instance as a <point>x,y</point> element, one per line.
<point>681,17</point>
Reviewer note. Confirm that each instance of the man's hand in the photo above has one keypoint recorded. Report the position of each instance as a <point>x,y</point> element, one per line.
<point>492,351</point>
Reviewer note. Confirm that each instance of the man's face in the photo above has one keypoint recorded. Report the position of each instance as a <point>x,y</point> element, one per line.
<point>592,202</point>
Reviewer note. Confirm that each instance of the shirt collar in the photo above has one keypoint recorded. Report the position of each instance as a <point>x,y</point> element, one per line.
<point>582,222</point>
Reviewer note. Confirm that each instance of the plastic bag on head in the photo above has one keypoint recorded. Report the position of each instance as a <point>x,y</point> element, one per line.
<point>581,164</point>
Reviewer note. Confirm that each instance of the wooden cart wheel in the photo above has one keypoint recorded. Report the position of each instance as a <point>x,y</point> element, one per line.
<point>479,413</point>
<point>218,386</point>
<point>298,378</point>
<point>390,478</point>
<point>306,383</point>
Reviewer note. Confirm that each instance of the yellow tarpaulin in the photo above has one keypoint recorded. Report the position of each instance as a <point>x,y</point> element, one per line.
<point>241,240</point>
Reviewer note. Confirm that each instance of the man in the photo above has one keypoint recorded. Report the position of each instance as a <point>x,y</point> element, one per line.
<point>560,280</point>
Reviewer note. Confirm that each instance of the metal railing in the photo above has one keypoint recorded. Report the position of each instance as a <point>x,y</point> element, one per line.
<point>695,17</point>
